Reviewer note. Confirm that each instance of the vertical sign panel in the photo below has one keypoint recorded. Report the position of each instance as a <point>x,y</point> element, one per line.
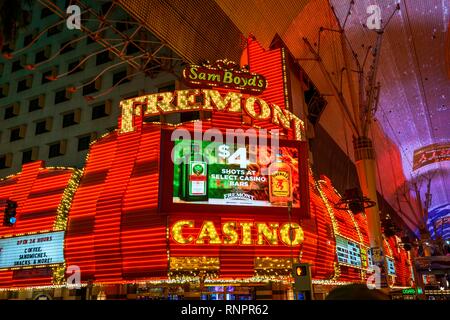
<point>32,250</point>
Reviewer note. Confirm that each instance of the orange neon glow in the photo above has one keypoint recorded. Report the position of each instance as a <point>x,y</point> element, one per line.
<point>119,229</point>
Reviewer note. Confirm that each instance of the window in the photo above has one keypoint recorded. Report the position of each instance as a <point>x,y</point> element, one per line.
<point>16,65</point>
<point>33,105</point>
<point>49,74</point>
<point>56,149</point>
<point>120,76</point>
<point>27,156</point>
<point>61,96</point>
<point>88,89</point>
<point>53,30</point>
<point>7,48</point>
<point>69,119</point>
<point>36,103</point>
<point>74,67</point>
<point>5,161</point>
<point>67,47</point>
<point>102,110</point>
<point>4,90</point>
<point>102,57</point>
<point>45,12</point>
<point>11,111</point>
<point>98,112</point>
<point>30,155</point>
<point>25,84</point>
<point>27,39</point>
<point>41,56</point>
<point>131,48</point>
<point>83,142</point>
<point>92,87</point>
<point>42,126</point>
<point>22,85</point>
<point>17,133</point>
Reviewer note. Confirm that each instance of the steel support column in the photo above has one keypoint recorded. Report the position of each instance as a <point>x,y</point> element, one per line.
<point>366,168</point>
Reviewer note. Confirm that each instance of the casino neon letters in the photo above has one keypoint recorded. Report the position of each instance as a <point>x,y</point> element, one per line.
<point>237,233</point>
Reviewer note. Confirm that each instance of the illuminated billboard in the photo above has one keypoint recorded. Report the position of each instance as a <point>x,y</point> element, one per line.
<point>348,252</point>
<point>390,266</point>
<point>32,250</point>
<point>223,174</point>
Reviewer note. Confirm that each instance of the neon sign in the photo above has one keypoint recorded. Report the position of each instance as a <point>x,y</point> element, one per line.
<point>431,154</point>
<point>409,291</point>
<point>212,100</point>
<point>32,250</point>
<point>237,233</point>
<point>226,74</point>
<point>221,181</point>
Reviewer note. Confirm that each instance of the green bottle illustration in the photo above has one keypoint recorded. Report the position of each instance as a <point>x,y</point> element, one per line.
<point>194,175</point>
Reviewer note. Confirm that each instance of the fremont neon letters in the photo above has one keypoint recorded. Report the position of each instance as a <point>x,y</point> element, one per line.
<point>185,100</point>
<point>237,233</point>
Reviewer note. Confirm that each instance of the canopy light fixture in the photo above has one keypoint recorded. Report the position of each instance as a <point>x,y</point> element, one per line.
<point>354,201</point>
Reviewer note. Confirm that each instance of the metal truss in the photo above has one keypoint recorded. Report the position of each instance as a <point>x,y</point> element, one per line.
<point>116,32</point>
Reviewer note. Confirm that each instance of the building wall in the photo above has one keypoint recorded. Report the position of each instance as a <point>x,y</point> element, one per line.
<point>72,157</point>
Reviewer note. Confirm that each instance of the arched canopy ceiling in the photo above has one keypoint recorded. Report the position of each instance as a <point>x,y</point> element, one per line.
<point>414,107</point>
<point>414,69</point>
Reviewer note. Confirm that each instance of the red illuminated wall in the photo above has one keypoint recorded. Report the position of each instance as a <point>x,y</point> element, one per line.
<point>128,240</point>
<point>38,192</point>
<point>117,227</point>
<point>270,64</point>
<point>319,245</point>
<point>401,260</point>
<point>236,261</point>
<point>345,225</point>
<point>114,231</point>
<point>356,229</point>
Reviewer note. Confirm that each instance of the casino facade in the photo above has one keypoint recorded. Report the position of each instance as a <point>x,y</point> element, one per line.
<point>149,218</point>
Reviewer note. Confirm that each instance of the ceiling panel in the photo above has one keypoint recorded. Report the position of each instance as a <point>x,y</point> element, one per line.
<point>414,108</point>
